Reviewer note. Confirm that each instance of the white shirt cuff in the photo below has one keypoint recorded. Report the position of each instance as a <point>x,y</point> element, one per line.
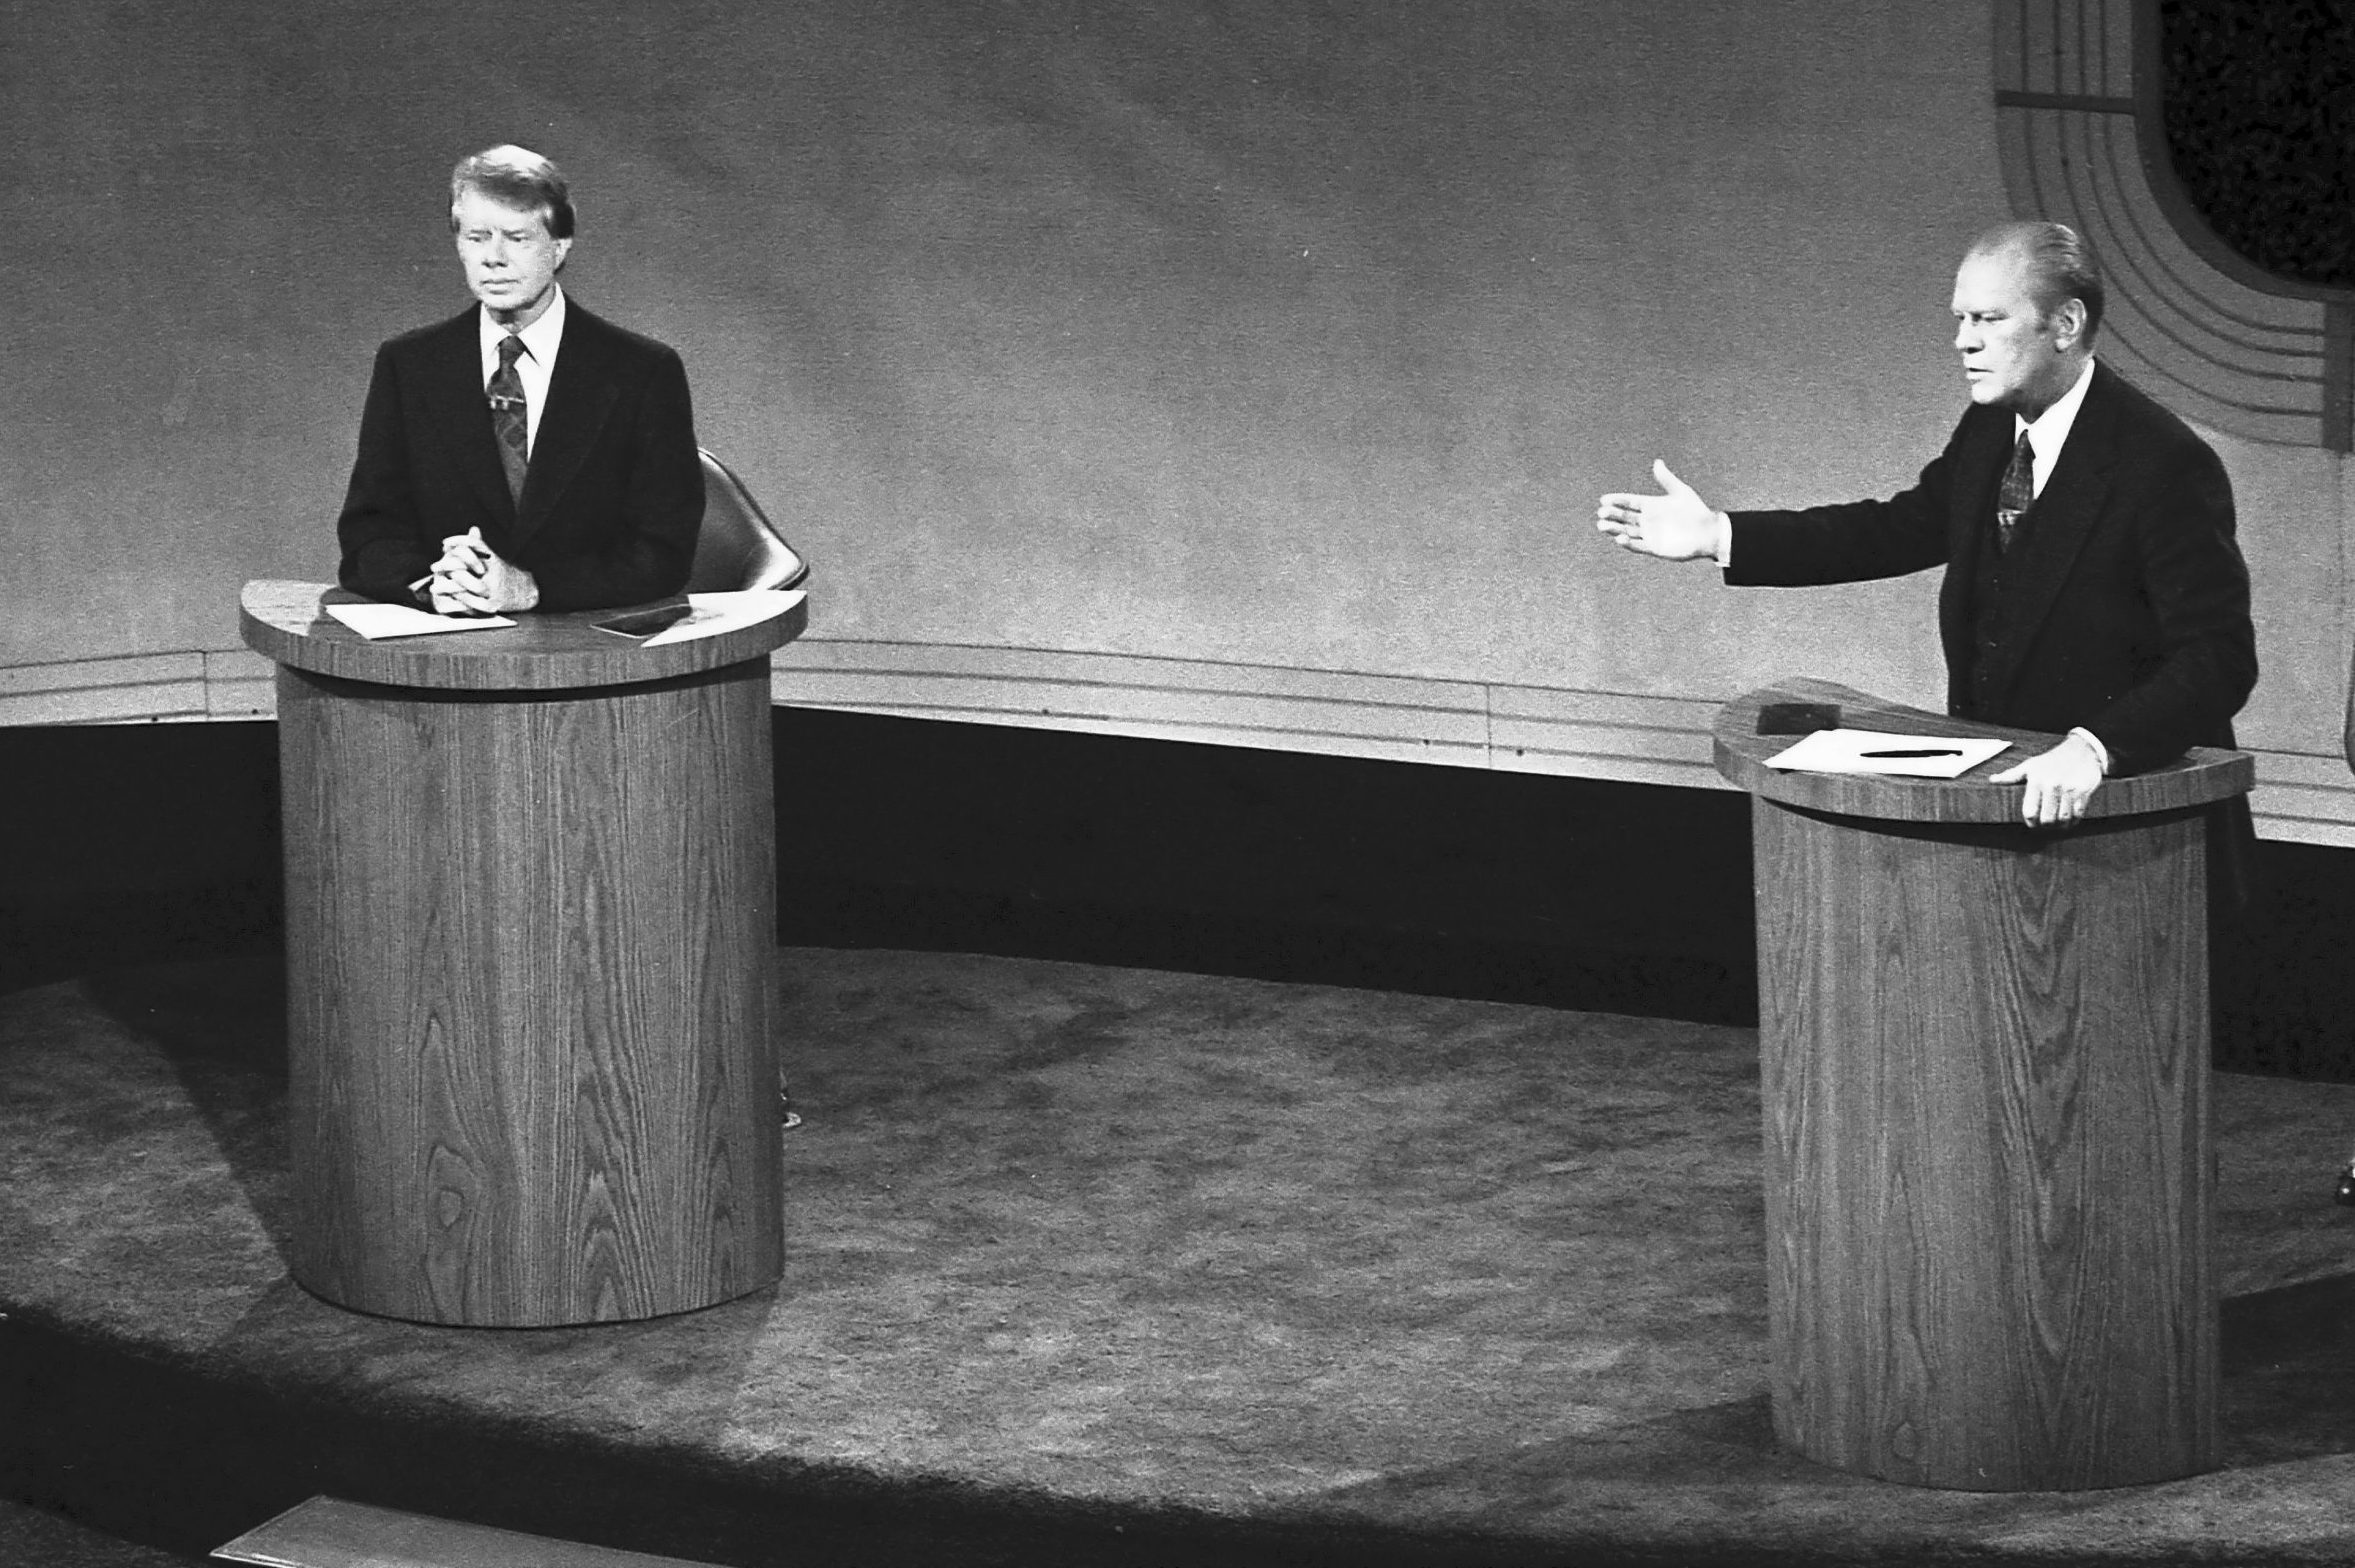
<point>2101,752</point>
<point>1725,541</point>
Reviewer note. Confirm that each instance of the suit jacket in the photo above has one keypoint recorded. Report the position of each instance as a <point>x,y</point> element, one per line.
<point>611,503</point>
<point>2128,606</point>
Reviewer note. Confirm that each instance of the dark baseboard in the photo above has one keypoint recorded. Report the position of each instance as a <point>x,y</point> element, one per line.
<point>1272,864</point>
<point>137,844</point>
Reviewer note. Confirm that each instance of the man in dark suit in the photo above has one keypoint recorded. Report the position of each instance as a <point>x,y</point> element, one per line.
<point>525,454</point>
<point>2093,585</point>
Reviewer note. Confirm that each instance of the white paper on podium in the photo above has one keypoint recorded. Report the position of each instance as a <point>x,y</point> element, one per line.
<point>374,621</point>
<point>1877,751</point>
<point>709,614</point>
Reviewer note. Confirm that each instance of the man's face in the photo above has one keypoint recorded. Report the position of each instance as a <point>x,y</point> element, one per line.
<point>2012,352</point>
<point>509,256</point>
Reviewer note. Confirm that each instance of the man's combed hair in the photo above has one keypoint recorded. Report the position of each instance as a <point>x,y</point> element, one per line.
<point>515,177</point>
<point>2060,265</point>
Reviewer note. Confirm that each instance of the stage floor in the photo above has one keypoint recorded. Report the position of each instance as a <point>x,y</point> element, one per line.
<point>1089,1265</point>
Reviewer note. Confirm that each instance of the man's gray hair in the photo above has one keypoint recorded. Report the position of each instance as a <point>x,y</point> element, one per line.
<point>2060,265</point>
<point>515,177</point>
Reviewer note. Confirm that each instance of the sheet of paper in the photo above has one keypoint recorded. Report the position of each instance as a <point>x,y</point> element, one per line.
<point>374,621</point>
<point>709,614</point>
<point>1877,751</point>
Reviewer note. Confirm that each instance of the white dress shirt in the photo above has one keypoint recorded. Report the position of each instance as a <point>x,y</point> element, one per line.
<point>2050,429</point>
<point>533,366</point>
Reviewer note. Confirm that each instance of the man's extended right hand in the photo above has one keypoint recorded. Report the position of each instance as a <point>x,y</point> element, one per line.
<point>1676,525</point>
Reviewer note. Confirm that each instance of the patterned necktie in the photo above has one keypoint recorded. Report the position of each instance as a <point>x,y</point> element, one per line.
<point>510,418</point>
<point>2015,494</point>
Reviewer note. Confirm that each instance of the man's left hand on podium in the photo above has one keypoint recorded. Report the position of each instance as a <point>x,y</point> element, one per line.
<point>2056,784</point>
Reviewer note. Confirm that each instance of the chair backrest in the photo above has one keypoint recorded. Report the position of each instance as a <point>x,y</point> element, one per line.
<point>738,547</point>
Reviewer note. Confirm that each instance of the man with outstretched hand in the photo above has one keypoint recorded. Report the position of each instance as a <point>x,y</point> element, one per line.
<point>2093,585</point>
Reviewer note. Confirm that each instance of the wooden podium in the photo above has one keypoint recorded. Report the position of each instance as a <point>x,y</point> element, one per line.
<point>1985,1077</point>
<point>531,949</point>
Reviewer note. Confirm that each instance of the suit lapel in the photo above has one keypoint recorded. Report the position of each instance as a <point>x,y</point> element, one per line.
<point>1972,501</point>
<point>2057,528</point>
<point>457,396</point>
<point>581,394</point>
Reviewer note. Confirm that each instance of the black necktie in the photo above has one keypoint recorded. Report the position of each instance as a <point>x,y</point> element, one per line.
<point>510,417</point>
<point>2017,491</point>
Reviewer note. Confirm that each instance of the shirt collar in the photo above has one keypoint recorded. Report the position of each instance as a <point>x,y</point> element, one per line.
<point>539,339</point>
<point>2049,431</point>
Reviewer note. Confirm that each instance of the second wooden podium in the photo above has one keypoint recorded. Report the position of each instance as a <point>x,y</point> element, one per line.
<point>1984,1056</point>
<point>531,947</point>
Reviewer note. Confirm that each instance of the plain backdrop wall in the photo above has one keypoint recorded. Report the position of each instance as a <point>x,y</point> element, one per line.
<point>1301,335</point>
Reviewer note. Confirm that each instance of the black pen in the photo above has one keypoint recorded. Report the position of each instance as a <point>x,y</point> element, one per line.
<point>1934,751</point>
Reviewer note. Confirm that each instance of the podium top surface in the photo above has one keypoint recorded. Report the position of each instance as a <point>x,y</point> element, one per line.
<point>2198,777</point>
<point>288,621</point>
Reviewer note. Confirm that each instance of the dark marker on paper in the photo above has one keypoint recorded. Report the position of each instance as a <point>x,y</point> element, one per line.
<point>1934,751</point>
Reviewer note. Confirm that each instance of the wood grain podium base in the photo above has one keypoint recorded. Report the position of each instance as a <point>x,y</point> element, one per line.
<point>531,942</point>
<point>1985,1075</point>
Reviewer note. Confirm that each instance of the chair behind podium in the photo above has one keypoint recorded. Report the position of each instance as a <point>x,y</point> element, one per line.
<point>738,547</point>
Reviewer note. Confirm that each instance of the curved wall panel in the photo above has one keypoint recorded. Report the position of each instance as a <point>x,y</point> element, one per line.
<point>2077,92</point>
<point>1238,373</point>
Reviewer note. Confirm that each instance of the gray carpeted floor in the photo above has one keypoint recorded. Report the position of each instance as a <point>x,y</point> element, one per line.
<point>1264,1263</point>
<point>31,1538</point>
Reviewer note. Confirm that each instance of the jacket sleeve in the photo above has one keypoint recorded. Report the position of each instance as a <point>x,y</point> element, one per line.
<point>383,548</point>
<point>1852,542</point>
<point>2204,664</point>
<point>649,554</point>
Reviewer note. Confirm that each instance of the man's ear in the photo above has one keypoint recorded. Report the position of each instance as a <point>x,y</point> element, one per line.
<point>2068,323</point>
<point>563,249</point>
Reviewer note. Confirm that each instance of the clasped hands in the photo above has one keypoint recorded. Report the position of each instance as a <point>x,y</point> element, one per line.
<point>472,579</point>
<point>1677,525</point>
